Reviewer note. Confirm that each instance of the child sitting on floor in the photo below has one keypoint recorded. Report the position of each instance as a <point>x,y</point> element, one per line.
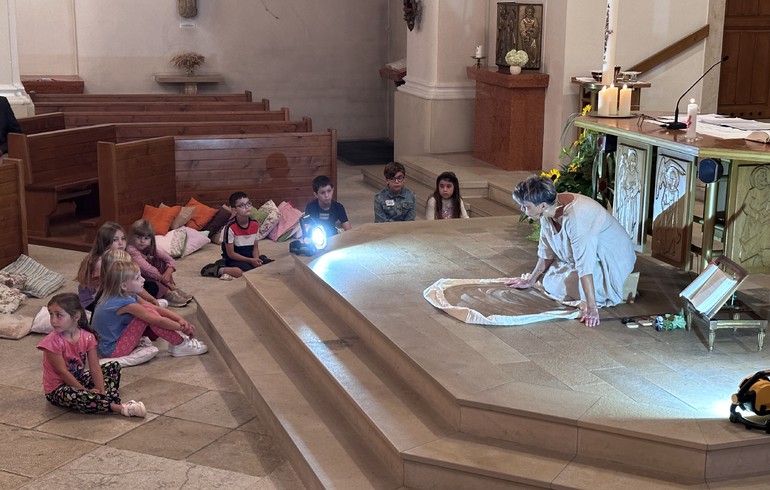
<point>110,235</point>
<point>325,210</point>
<point>72,377</point>
<point>156,265</point>
<point>121,320</point>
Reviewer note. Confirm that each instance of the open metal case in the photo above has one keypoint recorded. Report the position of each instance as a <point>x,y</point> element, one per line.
<point>711,301</point>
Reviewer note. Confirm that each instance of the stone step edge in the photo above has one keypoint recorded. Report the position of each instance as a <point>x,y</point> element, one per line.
<point>315,465</point>
<point>352,372</point>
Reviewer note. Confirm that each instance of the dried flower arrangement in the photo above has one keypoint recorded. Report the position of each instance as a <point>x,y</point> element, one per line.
<point>188,61</point>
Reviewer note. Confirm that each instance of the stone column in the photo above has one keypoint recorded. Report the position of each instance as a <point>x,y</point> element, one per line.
<point>434,108</point>
<point>10,80</point>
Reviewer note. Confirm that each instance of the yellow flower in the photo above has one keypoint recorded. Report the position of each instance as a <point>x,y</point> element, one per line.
<point>586,109</point>
<point>573,167</point>
<point>552,174</point>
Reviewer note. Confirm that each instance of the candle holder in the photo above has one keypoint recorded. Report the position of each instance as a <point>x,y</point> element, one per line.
<point>478,61</point>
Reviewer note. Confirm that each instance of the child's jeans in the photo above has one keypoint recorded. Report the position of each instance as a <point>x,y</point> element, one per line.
<point>137,328</point>
<point>85,401</point>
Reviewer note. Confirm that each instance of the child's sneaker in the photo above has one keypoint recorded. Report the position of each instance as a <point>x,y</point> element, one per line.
<point>184,295</point>
<point>188,347</point>
<point>144,342</point>
<point>175,299</point>
<point>134,409</point>
<point>140,355</point>
<point>163,303</point>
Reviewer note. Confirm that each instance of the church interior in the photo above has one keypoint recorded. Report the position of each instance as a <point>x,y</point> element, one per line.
<point>334,368</point>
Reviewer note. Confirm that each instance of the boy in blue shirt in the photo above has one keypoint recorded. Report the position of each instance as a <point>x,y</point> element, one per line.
<point>325,210</point>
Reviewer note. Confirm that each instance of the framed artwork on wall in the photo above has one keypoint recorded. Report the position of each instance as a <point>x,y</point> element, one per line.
<point>671,209</point>
<point>519,26</point>
<point>748,217</point>
<point>631,199</point>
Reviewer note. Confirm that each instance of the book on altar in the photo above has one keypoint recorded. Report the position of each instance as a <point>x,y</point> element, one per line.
<point>760,136</point>
<point>711,289</point>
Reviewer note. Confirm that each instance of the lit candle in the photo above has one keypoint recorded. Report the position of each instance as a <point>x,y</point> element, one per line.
<point>479,51</point>
<point>612,100</point>
<point>604,106</point>
<point>610,37</point>
<point>624,108</point>
<point>692,119</point>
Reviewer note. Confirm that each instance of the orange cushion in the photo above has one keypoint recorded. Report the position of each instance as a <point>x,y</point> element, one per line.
<point>160,218</point>
<point>201,216</point>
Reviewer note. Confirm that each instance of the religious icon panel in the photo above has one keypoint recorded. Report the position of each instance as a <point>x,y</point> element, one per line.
<point>630,204</point>
<point>671,209</point>
<point>748,217</point>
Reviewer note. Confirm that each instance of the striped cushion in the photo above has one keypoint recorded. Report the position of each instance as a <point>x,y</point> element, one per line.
<point>40,281</point>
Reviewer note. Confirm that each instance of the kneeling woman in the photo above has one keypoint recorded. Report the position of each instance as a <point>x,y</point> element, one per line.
<point>584,253</point>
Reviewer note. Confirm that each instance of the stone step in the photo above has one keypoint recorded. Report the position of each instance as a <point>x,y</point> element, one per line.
<point>319,444</point>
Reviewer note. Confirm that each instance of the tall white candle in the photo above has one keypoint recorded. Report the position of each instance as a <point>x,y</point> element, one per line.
<point>624,107</point>
<point>612,100</point>
<point>692,119</point>
<point>610,33</point>
<point>479,51</point>
<point>604,106</point>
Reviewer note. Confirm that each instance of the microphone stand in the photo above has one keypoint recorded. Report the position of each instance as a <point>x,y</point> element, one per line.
<point>675,124</point>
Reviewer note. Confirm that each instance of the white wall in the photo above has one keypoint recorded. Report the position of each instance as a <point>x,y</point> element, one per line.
<point>320,58</point>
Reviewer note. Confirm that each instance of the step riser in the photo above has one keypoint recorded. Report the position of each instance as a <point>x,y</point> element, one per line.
<point>265,413</point>
<point>422,476</point>
<point>348,408</point>
<point>439,400</point>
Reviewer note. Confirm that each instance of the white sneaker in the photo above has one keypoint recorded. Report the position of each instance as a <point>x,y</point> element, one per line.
<point>144,342</point>
<point>188,347</point>
<point>162,302</point>
<point>133,409</point>
<point>139,355</point>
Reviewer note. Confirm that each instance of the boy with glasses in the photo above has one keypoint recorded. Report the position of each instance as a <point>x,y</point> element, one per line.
<point>395,202</point>
<point>240,247</point>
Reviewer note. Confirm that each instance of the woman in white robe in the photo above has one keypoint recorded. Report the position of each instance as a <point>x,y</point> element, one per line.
<point>584,253</point>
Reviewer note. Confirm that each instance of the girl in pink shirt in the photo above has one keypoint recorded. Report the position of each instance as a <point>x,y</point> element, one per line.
<point>72,377</point>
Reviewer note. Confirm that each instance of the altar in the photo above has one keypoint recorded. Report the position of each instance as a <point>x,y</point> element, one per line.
<point>686,199</point>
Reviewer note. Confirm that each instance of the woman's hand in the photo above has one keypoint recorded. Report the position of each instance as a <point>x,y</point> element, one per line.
<point>590,316</point>
<point>520,283</point>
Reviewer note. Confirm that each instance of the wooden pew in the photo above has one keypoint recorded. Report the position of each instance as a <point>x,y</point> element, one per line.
<point>75,119</point>
<point>136,131</point>
<point>42,123</point>
<point>245,96</point>
<point>59,166</point>
<point>131,175</point>
<point>13,224</point>
<point>48,107</point>
<point>280,167</point>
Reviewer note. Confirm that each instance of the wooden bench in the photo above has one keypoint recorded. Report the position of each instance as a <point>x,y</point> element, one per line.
<point>244,96</point>
<point>13,225</point>
<point>136,131</point>
<point>63,120</point>
<point>59,166</point>
<point>280,167</point>
<point>48,107</point>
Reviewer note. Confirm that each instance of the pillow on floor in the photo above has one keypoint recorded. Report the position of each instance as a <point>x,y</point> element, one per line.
<point>289,220</point>
<point>10,300</point>
<point>40,281</point>
<point>14,326</point>
<point>173,242</point>
<point>160,218</point>
<point>195,240</point>
<point>267,216</point>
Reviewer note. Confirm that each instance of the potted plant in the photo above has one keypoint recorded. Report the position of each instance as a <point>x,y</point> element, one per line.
<point>188,61</point>
<point>516,59</point>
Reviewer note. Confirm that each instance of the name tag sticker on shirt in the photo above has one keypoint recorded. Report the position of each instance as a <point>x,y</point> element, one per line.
<point>390,202</point>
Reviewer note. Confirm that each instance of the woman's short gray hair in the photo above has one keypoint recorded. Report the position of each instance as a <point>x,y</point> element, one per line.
<point>535,190</point>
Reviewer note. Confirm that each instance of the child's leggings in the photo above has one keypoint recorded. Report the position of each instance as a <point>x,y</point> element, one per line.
<point>134,331</point>
<point>85,401</point>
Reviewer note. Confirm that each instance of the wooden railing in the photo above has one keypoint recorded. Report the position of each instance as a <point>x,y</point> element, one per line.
<point>671,50</point>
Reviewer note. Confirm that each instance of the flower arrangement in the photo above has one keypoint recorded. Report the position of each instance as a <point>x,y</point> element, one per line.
<point>188,61</point>
<point>516,57</point>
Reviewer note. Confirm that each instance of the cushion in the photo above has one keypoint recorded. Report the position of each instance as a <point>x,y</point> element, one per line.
<point>267,216</point>
<point>173,242</point>
<point>40,281</point>
<point>10,299</point>
<point>14,326</point>
<point>15,281</point>
<point>160,218</point>
<point>185,213</point>
<point>218,221</point>
<point>42,321</point>
<point>195,240</point>
<point>201,216</point>
<point>289,219</point>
